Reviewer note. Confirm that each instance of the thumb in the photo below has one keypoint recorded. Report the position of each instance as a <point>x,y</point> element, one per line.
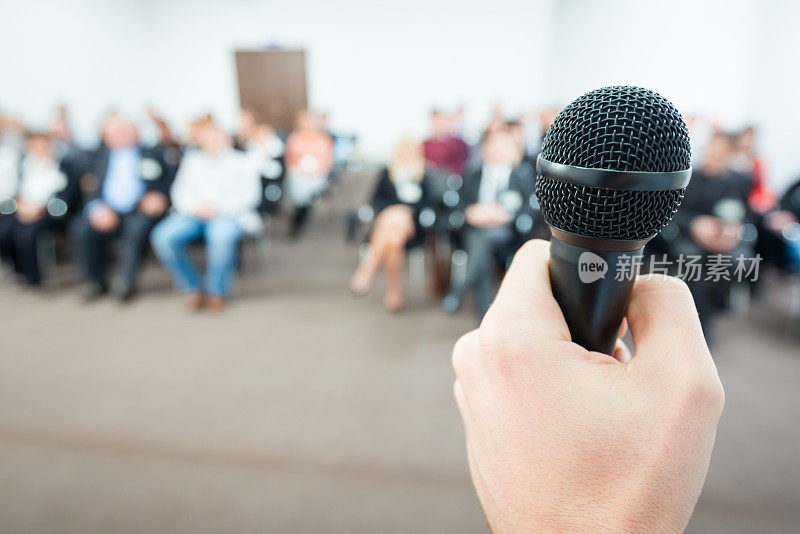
<point>664,325</point>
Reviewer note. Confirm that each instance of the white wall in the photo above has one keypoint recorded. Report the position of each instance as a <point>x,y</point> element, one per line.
<point>733,61</point>
<point>698,54</point>
<point>377,69</point>
<point>775,88</point>
<point>82,53</point>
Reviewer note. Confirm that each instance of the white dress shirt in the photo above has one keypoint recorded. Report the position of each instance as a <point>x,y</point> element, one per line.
<point>228,182</point>
<point>41,179</point>
<point>494,180</point>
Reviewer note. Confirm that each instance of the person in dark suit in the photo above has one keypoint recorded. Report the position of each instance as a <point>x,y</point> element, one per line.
<point>402,193</point>
<point>526,168</point>
<point>252,135</point>
<point>497,205</point>
<point>709,223</point>
<point>124,194</point>
<point>40,202</point>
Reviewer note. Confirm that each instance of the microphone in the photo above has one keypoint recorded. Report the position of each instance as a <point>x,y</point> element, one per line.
<point>612,172</point>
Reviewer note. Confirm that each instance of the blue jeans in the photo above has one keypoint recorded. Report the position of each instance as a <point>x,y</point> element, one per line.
<point>170,238</point>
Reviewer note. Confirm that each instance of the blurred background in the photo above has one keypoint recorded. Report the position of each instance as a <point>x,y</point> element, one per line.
<point>239,240</point>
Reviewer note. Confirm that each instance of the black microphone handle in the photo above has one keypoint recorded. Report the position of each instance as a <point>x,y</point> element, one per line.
<point>594,310</point>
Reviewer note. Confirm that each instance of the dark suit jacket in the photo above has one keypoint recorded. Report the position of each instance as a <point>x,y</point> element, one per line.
<point>790,201</point>
<point>386,195</point>
<point>521,188</point>
<point>704,193</point>
<point>160,161</point>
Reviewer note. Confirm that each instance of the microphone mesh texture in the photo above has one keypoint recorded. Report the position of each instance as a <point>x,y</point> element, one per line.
<point>618,128</point>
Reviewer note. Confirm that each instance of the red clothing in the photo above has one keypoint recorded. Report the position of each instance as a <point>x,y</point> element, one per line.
<point>761,198</point>
<point>449,153</point>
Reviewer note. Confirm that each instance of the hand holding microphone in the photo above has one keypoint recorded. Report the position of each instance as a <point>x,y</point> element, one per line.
<point>561,439</point>
<point>565,432</point>
<point>612,173</point>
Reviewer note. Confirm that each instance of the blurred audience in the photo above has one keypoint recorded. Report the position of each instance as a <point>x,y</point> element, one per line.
<point>124,193</point>
<point>215,195</point>
<point>222,188</point>
<point>309,161</point>
<point>445,150</point>
<point>493,198</point>
<point>402,192</point>
<point>36,206</point>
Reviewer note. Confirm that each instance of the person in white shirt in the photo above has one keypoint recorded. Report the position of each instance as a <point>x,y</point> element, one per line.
<point>34,204</point>
<point>214,197</point>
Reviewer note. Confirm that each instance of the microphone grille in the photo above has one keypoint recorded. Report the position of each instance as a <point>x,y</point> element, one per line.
<point>619,128</point>
<point>606,213</point>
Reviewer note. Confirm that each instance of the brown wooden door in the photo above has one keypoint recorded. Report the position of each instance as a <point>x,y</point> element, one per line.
<point>272,84</point>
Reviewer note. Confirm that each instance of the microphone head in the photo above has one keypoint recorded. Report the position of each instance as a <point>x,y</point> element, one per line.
<point>618,128</point>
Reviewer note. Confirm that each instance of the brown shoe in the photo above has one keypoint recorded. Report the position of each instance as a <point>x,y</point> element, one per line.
<point>215,304</point>
<point>194,301</point>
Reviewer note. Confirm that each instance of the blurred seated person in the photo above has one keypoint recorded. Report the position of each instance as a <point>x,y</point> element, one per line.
<point>526,169</point>
<point>402,192</point>
<point>263,138</point>
<point>156,129</point>
<point>779,240</point>
<point>214,197</point>
<point>251,132</point>
<point>309,161</point>
<point>124,194</point>
<point>72,158</point>
<point>9,167</point>
<point>445,150</point>
<point>710,221</point>
<point>60,134</point>
<point>12,133</point>
<point>191,137</point>
<point>494,199</point>
<point>516,128</point>
<point>9,178</point>
<point>38,205</point>
<point>747,161</point>
<point>158,136</point>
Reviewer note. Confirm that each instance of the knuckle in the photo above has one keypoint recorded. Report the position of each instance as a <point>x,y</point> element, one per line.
<point>461,351</point>
<point>705,391</point>
<point>501,353</point>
